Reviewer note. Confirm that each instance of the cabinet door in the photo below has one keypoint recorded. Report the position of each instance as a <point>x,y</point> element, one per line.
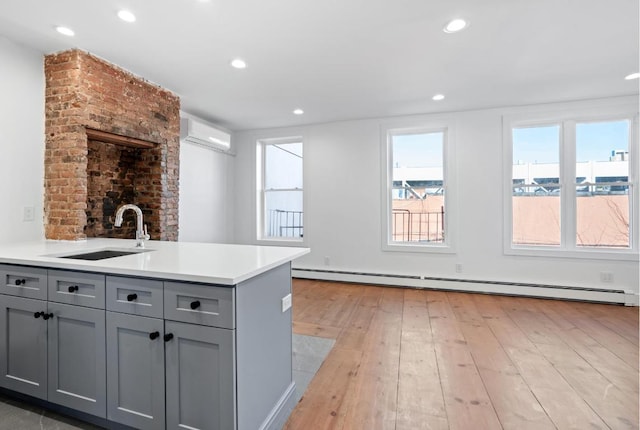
<point>23,346</point>
<point>77,371</point>
<point>135,371</point>
<point>200,370</point>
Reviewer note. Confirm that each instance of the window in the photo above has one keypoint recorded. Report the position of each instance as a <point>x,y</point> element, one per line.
<point>417,214</point>
<point>281,195</point>
<point>571,185</point>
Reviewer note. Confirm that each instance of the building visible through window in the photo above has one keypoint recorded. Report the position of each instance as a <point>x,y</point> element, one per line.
<point>570,185</point>
<point>417,188</point>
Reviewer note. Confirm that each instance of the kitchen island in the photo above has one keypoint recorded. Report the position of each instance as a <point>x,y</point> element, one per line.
<point>176,335</point>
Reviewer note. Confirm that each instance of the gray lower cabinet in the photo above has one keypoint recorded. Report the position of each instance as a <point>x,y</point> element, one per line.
<point>54,352</point>
<point>23,346</point>
<point>200,377</point>
<point>76,362</point>
<point>135,371</point>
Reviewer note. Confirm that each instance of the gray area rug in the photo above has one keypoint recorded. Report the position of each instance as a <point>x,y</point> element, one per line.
<point>308,354</point>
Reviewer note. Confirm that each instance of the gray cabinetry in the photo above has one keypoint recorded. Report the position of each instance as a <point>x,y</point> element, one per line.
<point>30,282</point>
<point>53,351</point>
<point>76,288</point>
<point>23,346</point>
<point>134,296</point>
<point>135,371</point>
<point>148,353</point>
<point>76,364</point>
<point>200,304</point>
<point>200,377</point>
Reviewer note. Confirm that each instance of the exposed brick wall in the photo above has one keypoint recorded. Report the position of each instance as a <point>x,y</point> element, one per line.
<point>83,91</point>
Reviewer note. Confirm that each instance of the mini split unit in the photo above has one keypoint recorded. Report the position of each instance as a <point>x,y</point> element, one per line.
<point>199,133</point>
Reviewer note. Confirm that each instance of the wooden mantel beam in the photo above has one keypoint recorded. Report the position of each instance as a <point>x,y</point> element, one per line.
<point>103,136</point>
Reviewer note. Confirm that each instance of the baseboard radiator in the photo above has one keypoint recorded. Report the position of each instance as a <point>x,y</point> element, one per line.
<point>477,286</point>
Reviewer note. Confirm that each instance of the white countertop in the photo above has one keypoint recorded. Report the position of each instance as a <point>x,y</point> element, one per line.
<point>181,261</point>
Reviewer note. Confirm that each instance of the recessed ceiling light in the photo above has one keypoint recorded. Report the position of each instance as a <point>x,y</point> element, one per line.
<point>239,63</point>
<point>438,97</point>
<point>298,111</point>
<point>65,30</point>
<point>127,16</point>
<point>632,76</point>
<point>455,25</point>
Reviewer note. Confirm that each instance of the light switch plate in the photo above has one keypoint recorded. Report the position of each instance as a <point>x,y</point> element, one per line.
<point>286,302</point>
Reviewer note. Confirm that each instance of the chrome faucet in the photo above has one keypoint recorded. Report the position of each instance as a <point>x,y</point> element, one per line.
<point>141,233</point>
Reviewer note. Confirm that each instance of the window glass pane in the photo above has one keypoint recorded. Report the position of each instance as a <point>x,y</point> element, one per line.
<point>602,158</point>
<point>418,204</point>
<point>283,214</point>
<point>536,155</point>
<point>283,166</point>
<point>602,219</point>
<point>536,215</point>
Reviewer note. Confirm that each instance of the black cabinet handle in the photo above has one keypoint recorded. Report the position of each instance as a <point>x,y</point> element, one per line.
<point>132,297</point>
<point>73,288</point>
<point>47,316</point>
<point>168,337</point>
<point>154,335</point>
<point>38,314</point>
<point>21,281</point>
<point>195,304</point>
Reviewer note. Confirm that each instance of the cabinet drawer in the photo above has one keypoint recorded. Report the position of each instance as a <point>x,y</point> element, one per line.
<point>200,304</point>
<point>19,281</point>
<point>76,288</point>
<point>134,296</point>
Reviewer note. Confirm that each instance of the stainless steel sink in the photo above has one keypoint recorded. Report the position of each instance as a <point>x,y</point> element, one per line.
<point>103,254</point>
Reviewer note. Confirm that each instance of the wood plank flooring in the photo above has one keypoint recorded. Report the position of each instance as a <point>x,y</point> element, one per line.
<point>409,359</point>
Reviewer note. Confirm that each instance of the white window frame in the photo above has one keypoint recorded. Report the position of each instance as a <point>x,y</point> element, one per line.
<point>432,125</point>
<point>567,119</point>
<point>260,237</point>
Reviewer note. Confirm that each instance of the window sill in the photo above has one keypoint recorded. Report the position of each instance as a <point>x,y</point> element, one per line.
<point>404,247</point>
<point>580,254</point>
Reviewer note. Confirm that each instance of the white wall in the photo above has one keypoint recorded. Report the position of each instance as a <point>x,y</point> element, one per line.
<point>21,141</point>
<point>343,206</point>
<point>206,201</point>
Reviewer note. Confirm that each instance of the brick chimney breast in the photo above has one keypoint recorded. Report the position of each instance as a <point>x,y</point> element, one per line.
<point>87,179</point>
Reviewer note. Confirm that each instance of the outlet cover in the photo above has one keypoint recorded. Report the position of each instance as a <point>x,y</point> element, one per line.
<point>606,277</point>
<point>286,302</point>
<point>28,213</point>
<point>458,268</point>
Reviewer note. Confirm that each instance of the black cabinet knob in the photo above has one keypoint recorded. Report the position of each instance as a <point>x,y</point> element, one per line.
<point>154,335</point>
<point>73,288</point>
<point>168,337</point>
<point>195,304</point>
<point>47,316</point>
<point>21,281</point>
<point>132,297</point>
<point>38,314</point>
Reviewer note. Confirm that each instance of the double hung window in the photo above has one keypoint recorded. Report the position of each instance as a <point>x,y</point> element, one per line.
<point>280,213</point>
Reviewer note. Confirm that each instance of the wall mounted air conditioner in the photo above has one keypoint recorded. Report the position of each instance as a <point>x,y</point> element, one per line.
<point>199,133</point>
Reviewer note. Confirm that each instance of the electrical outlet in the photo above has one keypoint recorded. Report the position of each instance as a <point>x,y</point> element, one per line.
<point>458,267</point>
<point>327,261</point>
<point>286,302</point>
<point>606,277</point>
<point>28,213</point>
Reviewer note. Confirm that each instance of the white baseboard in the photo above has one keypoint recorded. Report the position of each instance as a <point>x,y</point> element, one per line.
<point>491,287</point>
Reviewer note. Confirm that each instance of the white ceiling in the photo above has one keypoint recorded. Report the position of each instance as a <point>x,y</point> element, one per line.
<point>348,59</point>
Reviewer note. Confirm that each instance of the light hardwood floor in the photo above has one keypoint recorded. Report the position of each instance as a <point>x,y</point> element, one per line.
<point>420,359</point>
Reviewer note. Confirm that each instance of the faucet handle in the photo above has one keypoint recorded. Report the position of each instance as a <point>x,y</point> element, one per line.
<point>146,234</point>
